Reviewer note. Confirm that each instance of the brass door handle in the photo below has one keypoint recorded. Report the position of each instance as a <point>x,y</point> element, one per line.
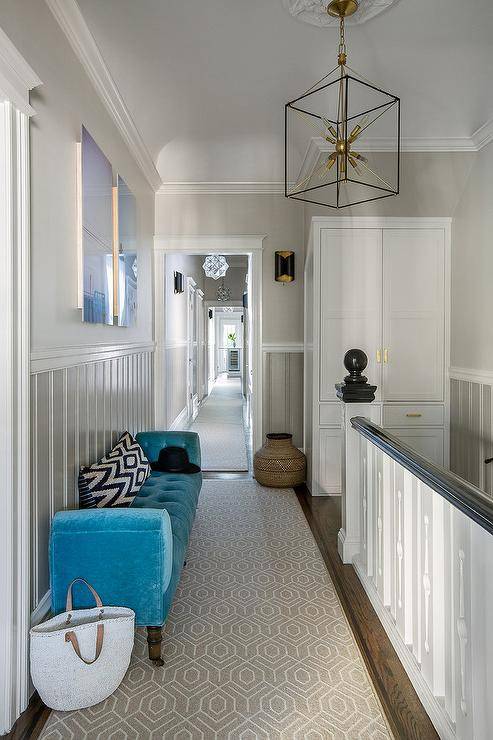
<point>414,414</point>
<point>385,355</point>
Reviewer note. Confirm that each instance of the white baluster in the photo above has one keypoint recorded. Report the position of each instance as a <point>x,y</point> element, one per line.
<point>462,633</point>
<point>409,557</point>
<point>427,583</point>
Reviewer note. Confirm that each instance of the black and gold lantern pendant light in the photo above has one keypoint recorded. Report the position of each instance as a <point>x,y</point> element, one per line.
<point>284,267</point>
<point>342,135</point>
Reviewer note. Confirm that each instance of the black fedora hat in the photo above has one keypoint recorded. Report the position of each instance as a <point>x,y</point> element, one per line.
<point>174,460</point>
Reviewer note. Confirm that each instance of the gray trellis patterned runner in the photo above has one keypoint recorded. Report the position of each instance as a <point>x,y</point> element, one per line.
<point>219,425</point>
<point>256,646</point>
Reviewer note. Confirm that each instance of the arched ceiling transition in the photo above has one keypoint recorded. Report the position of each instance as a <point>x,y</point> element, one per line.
<point>206,82</point>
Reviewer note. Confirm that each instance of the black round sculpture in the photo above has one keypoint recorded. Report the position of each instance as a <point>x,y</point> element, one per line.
<point>355,388</point>
<point>355,361</point>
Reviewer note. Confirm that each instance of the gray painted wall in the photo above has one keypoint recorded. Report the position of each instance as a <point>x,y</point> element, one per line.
<point>78,407</point>
<point>472,268</point>
<point>281,220</point>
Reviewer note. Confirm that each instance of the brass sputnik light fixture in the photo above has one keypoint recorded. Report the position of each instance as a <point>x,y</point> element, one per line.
<point>342,135</point>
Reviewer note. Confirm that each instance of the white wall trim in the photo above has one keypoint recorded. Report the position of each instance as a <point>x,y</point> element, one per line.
<point>287,347</point>
<point>483,135</point>
<point>16,76</point>
<point>56,358</point>
<point>221,188</point>
<point>14,412</point>
<point>242,244</point>
<point>471,376</point>
<point>72,23</point>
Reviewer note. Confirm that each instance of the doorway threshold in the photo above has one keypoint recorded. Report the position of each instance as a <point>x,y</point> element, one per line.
<point>226,475</point>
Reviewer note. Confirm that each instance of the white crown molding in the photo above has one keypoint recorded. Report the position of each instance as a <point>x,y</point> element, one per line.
<point>483,135</point>
<point>72,23</point>
<point>221,188</point>
<point>57,358</point>
<point>16,76</point>
<point>237,244</point>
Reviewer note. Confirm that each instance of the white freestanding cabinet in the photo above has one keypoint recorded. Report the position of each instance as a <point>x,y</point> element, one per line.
<point>381,285</point>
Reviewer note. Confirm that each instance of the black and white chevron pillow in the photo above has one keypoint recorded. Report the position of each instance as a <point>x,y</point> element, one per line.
<point>117,478</point>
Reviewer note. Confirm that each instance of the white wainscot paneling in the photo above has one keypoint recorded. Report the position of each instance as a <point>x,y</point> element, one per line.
<point>77,414</point>
<point>283,391</point>
<point>471,429</point>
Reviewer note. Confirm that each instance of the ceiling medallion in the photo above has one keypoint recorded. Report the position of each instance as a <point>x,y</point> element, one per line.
<point>329,159</point>
<point>215,266</point>
<point>223,293</point>
<point>315,11</point>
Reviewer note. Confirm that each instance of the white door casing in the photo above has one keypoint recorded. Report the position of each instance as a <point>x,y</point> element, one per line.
<point>251,245</point>
<point>16,80</point>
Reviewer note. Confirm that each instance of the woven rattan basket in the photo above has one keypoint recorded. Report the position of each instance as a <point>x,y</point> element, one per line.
<point>279,464</point>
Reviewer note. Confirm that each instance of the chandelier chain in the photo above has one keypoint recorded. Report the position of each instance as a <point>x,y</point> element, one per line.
<point>342,43</point>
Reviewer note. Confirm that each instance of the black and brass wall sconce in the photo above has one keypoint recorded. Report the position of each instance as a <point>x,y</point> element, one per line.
<point>178,282</point>
<point>210,313</point>
<point>284,267</point>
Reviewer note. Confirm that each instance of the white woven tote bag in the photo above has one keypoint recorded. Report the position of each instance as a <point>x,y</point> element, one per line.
<point>80,657</point>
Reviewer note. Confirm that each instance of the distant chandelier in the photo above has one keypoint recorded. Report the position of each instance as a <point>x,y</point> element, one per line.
<point>223,293</point>
<point>215,266</point>
<point>328,158</point>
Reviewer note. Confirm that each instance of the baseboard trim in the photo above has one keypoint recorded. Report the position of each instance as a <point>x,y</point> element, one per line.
<point>180,420</point>
<point>347,549</point>
<point>430,703</point>
<point>58,358</point>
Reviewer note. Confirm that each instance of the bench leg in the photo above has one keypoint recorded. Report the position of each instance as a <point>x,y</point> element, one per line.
<point>154,640</point>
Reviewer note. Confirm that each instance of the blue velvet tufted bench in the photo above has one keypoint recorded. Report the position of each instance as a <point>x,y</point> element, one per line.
<point>133,557</point>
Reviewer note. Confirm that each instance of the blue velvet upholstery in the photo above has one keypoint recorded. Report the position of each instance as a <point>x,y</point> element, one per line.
<point>153,442</point>
<point>133,557</point>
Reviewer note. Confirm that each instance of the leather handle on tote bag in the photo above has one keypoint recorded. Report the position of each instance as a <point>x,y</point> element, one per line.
<point>71,636</point>
<point>68,605</point>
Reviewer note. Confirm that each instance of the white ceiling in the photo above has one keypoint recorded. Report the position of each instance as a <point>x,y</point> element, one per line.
<point>206,82</point>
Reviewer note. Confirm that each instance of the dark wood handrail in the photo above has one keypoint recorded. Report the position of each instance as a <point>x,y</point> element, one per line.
<point>473,502</point>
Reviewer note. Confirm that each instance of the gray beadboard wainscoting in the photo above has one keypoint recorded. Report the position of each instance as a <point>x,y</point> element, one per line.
<point>283,390</point>
<point>471,431</point>
<point>81,401</point>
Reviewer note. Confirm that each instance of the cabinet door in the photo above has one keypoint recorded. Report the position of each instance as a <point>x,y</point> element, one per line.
<point>350,303</point>
<point>414,315</point>
<point>428,442</point>
<point>330,461</point>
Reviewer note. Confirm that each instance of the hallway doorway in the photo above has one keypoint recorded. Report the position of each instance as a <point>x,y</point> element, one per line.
<point>190,361</point>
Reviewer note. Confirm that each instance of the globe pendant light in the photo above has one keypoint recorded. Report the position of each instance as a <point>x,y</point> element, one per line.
<point>342,135</point>
<point>215,266</point>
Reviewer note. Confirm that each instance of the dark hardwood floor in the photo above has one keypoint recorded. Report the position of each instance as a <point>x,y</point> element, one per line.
<point>31,722</point>
<point>403,709</point>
